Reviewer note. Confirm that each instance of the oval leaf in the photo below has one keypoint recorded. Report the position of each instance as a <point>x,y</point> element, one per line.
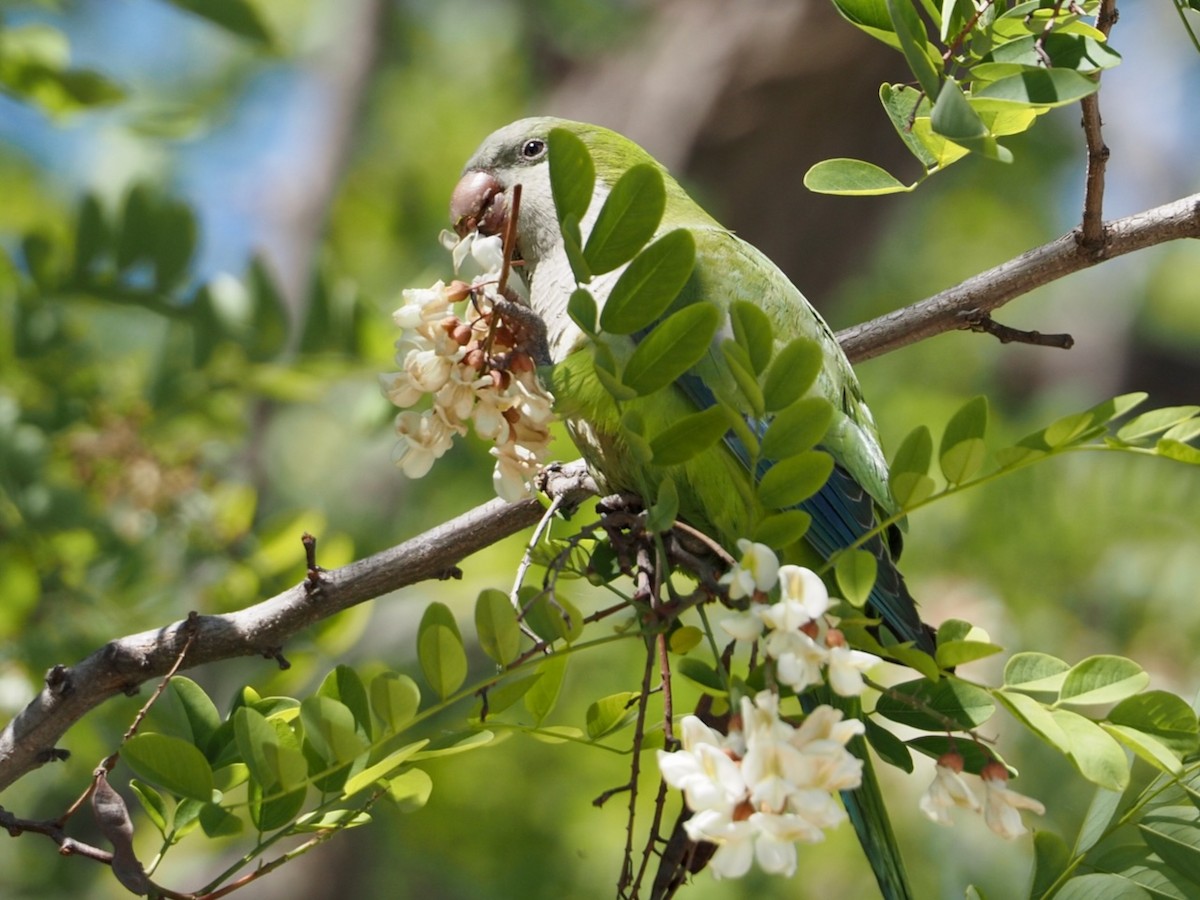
<point>440,650</point>
<point>794,479</point>
<point>792,373</point>
<point>753,332</point>
<point>497,627</point>
<point>1102,679</point>
<point>852,178</point>
<point>171,763</point>
<point>650,283</point>
<point>572,174</point>
<point>395,699</point>
<point>627,220</point>
<point>689,436</point>
<point>674,346</point>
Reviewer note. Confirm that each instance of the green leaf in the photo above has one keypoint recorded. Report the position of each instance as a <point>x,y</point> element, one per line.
<point>902,102</point>
<point>685,639</point>
<point>1095,753</point>
<point>1178,451</point>
<point>852,178</point>
<point>962,449</point>
<point>1036,717</point>
<point>855,571</point>
<point>330,729</point>
<point>219,822</point>
<point>753,332</point>
<point>497,627</point>
<point>269,812</point>
<point>440,650</point>
<point>738,362</point>
<point>171,763</point>
<point>890,748</point>
<point>238,17</point>
<point>1161,714</point>
<point>927,705</point>
<point>605,369</point>
<point>1095,823</point>
<point>1173,833</point>
<point>500,697</point>
<point>650,283</point>
<point>782,529</point>
<point>269,750</point>
<point>664,511</point>
<point>543,694</point>
<point>958,653</point>
<point>975,756</point>
<point>471,740</point>
<point>1040,87</point>
<point>381,770</point>
<point>1142,870</point>
<point>954,118</point>
<point>914,44</point>
<point>573,247</point>
<point>1100,886</point>
<point>581,307</point>
<point>198,712</point>
<point>1035,672</point>
<point>1050,859</point>
<point>1147,747</point>
<point>1102,679</point>
<point>572,174</point>
<point>410,790</point>
<point>628,218</point>
<point>552,618</point>
<point>611,713</point>
<point>908,480</point>
<point>174,244</point>
<point>792,373</point>
<point>701,673</point>
<point>675,345</point>
<point>395,699</point>
<point>794,479</point>
<point>1155,422</point>
<point>152,802</point>
<point>797,428</point>
<point>691,435</point>
<point>344,685</point>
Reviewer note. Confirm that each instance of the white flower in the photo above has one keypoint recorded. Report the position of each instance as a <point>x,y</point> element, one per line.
<point>424,437</point>
<point>422,308</point>
<point>704,770</point>
<point>734,840</point>
<point>948,790</point>
<point>457,396</point>
<point>743,626</point>
<point>516,465</point>
<point>757,570</point>
<point>1000,805</point>
<point>798,658</point>
<point>846,668</point>
<point>823,736</point>
<point>803,598</point>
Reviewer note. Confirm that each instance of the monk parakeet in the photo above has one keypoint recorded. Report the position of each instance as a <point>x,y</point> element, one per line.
<point>715,488</point>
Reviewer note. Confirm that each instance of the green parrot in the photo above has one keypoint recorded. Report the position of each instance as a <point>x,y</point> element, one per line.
<point>715,489</point>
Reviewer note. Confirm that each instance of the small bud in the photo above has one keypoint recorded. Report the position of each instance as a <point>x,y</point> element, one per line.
<point>953,761</point>
<point>461,334</point>
<point>834,638</point>
<point>994,771</point>
<point>475,359</point>
<point>457,291</point>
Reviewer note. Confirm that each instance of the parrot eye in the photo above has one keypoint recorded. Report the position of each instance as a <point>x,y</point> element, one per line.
<point>533,149</point>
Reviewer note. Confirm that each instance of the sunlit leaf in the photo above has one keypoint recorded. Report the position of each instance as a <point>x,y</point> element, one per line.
<point>675,345</point>
<point>650,283</point>
<point>627,220</point>
<point>440,650</point>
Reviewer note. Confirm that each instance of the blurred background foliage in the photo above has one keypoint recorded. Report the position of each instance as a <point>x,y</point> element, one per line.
<point>207,212</point>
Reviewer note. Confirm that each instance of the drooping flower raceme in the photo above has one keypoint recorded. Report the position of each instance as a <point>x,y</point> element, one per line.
<point>806,652</point>
<point>471,366</point>
<point>765,787</point>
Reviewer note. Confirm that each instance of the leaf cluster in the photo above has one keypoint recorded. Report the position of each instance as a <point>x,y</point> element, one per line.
<point>981,73</point>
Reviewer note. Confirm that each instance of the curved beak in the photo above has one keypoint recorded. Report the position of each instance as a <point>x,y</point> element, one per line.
<point>478,203</point>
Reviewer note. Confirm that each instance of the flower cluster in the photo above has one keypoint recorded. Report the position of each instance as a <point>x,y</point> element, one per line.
<point>472,366</point>
<point>766,785</point>
<point>798,638</point>
<point>1000,805</point>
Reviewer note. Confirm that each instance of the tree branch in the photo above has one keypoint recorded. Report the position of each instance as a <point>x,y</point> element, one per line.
<point>956,307</point>
<point>1091,231</point>
<point>121,665</point>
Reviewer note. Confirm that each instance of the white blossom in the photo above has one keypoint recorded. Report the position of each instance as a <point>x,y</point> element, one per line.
<point>846,668</point>
<point>798,658</point>
<point>424,437</point>
<point>757,570</point>
<point>948,790</point>
<point>1001,805</point>
<point>704,770</point>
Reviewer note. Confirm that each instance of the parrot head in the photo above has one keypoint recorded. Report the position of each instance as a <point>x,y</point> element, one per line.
<point>519,154</point>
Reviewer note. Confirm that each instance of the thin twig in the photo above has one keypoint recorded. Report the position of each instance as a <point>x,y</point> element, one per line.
<point>997,286</point>
<point>985,324</point>
<point>1091,230</point>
